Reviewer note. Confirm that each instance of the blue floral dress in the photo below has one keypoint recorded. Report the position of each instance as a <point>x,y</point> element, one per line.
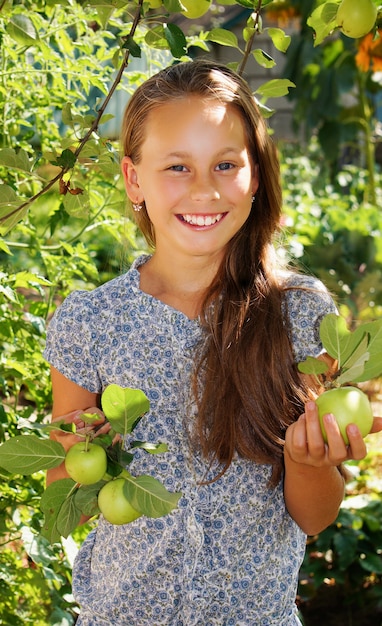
<point>230,554</point>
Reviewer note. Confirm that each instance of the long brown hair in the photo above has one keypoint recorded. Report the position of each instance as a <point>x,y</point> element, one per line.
<point>246,383</point>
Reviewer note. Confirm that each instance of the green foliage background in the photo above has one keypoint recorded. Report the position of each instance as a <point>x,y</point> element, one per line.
<point>65,224</point>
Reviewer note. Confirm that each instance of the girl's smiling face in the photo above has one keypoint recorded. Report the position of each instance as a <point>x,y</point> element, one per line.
<point>195,176</point>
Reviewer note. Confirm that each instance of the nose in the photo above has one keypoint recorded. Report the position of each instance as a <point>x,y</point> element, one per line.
<point>203,189</point>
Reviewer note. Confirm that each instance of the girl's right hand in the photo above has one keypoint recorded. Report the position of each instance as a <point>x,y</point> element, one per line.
<point>68,439</point>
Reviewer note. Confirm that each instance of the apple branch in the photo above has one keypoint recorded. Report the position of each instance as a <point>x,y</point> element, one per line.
<point>93,128</point>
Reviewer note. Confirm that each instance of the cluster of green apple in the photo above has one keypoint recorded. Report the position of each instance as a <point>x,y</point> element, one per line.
<point>98,479</point>
<point>86,464</point>
<point>356,18</point>
<point>358,355</point>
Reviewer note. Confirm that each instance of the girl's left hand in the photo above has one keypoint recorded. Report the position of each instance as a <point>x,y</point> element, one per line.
<point>305,444</point>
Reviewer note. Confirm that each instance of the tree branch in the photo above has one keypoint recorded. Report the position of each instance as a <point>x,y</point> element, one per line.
<point>93,127</point>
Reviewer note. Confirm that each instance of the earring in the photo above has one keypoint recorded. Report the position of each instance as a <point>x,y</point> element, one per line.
<point>137,206</point>
<point>253,197</point>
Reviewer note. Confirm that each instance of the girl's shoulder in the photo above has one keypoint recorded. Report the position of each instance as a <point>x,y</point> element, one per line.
<point>305,303</point>
<point>102,298</point>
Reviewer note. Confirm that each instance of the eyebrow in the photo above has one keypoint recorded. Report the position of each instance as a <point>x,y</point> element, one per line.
<point>184,154</point>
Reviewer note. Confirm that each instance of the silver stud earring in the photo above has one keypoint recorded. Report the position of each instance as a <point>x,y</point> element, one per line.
<point>253,197</point>
<point>137,206</point>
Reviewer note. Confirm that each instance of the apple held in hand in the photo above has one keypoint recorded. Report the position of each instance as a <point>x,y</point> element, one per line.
<point>86,463</point>
<point>356,18</point>
<point>114,505</point>
<point>349,405</point>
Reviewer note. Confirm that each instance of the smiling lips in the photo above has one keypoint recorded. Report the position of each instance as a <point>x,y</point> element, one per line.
<point>202,220</point>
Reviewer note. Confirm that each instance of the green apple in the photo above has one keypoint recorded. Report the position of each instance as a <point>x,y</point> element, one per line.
<point>114,505</point>
<point>86,463</point>
<point>349,405</point>
<point>195,8</point>
<point>356,18</point>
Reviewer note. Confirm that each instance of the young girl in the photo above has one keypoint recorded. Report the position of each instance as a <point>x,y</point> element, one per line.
<point>211,330</point>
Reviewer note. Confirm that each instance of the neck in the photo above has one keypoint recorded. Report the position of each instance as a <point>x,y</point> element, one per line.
<point>179,283</point>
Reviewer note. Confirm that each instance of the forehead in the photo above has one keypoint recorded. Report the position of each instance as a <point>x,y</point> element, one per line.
<point>194,116</point>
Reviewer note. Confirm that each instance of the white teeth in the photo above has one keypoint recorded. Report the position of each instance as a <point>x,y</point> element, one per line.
<point>201,220</point>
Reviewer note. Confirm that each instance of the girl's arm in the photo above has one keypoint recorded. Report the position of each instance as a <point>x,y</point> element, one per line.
<point>313,483</point>
<point>69,402</point>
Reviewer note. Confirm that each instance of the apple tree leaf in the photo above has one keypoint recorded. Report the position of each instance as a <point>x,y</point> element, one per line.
<point>124,407</point>
<point>373,366</point>
<point>280,40</point>
<point>86,498</point>
<point>68,516</point>
<point>147,495</point>
<point>175,39</point>
<point>27,454</point>
<point>360,353</point>
<point>335,336</point>
<point>152,448</point>
<point>356,370</point>
<point>314,366</point>
<point>223,37</point>
<point>51,502</point>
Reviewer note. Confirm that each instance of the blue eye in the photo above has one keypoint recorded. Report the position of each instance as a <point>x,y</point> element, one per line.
<point>225,166</point>
<point>177,168</point>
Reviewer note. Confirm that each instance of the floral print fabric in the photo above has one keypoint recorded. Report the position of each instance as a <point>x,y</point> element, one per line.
<point>229,555</point>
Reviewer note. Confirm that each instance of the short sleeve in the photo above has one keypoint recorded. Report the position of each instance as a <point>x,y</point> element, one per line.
<point>71,341</point>
<point>306,302</point>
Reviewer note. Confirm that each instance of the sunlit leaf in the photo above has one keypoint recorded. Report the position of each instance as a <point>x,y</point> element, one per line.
<point>175,39</point>
<point>280,40</point>
<point>150,497</point>
<point>223,37</point>
<point>26,454</point>
<point>123,406</point>
<point>314,366</point>
<point>275,88</point>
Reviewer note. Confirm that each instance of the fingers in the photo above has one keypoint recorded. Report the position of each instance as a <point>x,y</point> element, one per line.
<point>305,443</point>
<point>377,425</point>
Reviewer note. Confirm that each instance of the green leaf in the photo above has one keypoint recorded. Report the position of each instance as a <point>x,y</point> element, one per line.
<point>223,37</point>
<point>335,336</point>
<point>155,38</point>
<point>16,160</point>
<point>153,448</point>
<point>346,544</point>
<point>51,502</point>
<point>68,516</point>
<point>86,498</point>
<point>150,497</point>
<point>275,88</point>
<point>373,366</point>
<point>132,47</point>
<point>355,371</point>
<point>314,366</point>
<point>371,563</point>
<point>280,40</point>
<point>124,407</point>
<point>263,59</point>
<point>175,39</point>
<point>323,21</point>
<point>66,159</point>
<point>26,454</point>
<point>358,355</point>
<point>22,30</point>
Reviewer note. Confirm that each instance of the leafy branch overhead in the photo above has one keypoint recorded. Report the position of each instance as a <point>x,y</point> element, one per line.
<point>358,353</point>
<point>115,32</point>
<point>66,500</point>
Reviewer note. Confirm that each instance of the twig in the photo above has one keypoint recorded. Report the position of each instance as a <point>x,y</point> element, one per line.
<point>248,46</point>
<point>93,127</point>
